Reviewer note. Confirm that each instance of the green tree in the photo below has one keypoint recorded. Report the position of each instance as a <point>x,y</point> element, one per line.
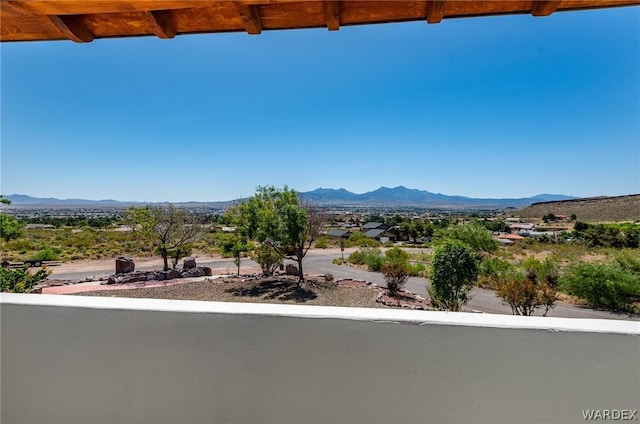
<point>474,235</point>
<point>171,230</point>
<point>454,270</point>
<point>275,217</point>
<point>20,280</point>
<point>10,227</point>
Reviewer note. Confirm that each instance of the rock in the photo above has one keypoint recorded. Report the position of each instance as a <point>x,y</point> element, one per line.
<point>171,274</point>
<point>195,272</point>
<point>111,280</point>
<point>207,271</point>
<point>292,269</point>
<point>125,265</point>
<point>189,263</point>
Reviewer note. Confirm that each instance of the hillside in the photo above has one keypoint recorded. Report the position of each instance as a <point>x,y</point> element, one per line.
<point>592,209</point>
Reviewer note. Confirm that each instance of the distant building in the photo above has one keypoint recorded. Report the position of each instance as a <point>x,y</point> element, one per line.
<point>509,237</point>
<point>525,226</point>
<point>374,226</point>
<point>381,235</point>
<point>39,227</point>
<point>343,234</point>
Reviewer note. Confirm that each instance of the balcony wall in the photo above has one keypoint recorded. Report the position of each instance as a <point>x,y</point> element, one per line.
<point>68,359</point>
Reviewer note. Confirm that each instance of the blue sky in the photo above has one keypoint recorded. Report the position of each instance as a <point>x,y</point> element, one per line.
<point>508,106</point>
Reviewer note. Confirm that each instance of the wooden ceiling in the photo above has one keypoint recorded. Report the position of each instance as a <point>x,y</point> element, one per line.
<point>87,20</point>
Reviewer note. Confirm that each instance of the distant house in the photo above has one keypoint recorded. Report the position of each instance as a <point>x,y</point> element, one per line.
<point>337,233</point>
<point>39,227</point>
<point>373,226</point>
<point>525,226</point>
<point>381,235</point>
<point>510,237</point>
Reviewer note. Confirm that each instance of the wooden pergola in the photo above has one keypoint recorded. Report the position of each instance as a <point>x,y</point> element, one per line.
<point>86,20</point>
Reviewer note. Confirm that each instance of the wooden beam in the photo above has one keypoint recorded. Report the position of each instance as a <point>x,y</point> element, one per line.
<point>72,28</point>
<point>90,7</point>
<point>332,14</point>
<point>544,8</point>
<point>160,21</point>
<point>251,18</point>
<point>435,11</point>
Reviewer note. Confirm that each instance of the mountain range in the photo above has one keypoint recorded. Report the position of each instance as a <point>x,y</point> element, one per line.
<point>383,196</point>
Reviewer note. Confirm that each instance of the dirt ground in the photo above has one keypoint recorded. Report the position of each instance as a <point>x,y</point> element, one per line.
<point>255,290</point>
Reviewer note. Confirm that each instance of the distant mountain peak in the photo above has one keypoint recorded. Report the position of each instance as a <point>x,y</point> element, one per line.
<point>382,196</point>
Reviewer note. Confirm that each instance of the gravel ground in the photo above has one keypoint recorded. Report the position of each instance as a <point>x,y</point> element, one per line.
<point>264,290</point>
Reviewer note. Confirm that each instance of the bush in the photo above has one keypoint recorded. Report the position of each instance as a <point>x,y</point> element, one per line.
<point>322,243</point>
<point>267,258</point>
<point>328,277</point>
<point>606,286</point>
<point>359,239</point>
<point>546,271</point>
<point>370,257</point>
<point>374,261</point>
<point>454,270</point>
<point>20,280</point>
<point>524,295</point>
<point>395,254</point>
<point>418,270</point>
<point>395,274</point>
<point>46,254</point>
<point>629,262</point>
<point>494,268</point>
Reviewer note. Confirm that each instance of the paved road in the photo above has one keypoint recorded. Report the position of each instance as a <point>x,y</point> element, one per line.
<point>320,262</point>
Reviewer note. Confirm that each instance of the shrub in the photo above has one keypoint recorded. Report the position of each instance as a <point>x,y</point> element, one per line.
<point>417,270</point>
<point>370,257</point>
<point>454,270</point>
<point>46,254</point>
<point>546,271</point>
<point>328,277</point>
<point>322,243</point>
<point>605,286</point>
<point>494,267</point>
<point>395,274</point>
<point>20,280</point>
<point>629,262</point>
<point>356,257</point>
<point>524,295</point>
<point>361,240</point>
<point>267,258</point>
<point>374,260</point>
<point>396,254</point>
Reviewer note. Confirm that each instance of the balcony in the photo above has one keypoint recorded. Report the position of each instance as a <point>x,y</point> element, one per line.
<point>68,359</point>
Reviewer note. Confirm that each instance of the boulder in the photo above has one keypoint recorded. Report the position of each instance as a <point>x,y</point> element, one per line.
<point>195,272</point>
<point>125,265</point>
<point>189,263</point>
<point>292,269</point>
<point>171,274</point>
<point>207,271</point>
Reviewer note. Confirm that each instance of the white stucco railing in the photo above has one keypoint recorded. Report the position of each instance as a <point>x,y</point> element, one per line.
<point>72,359</point>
